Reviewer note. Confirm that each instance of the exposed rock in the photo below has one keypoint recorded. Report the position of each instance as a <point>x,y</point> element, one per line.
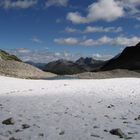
<point>9,121</point>
<point>132,133</point>
<point>62,132</point>
<point>128,59</point>
<point>110,106</point>
<point>41,134</point>
<point>118,132</point>
<point>94,135</point>
<point>105,130</point>
<point>95,127</point>
<point>18,130</point>
<point>138,118</point>
<point>12,138</point>
<point>25,126</point>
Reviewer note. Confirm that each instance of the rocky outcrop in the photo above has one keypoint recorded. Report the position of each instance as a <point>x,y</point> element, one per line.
<point>128,59</point>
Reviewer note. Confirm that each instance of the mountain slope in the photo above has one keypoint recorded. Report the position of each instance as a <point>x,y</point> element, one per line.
<point>65,67</point>
<point>10,65</point>
<point>90,64</point>
<point>6,56</point>
<point>128,59</point>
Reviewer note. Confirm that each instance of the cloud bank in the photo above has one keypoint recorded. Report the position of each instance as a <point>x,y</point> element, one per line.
<point>94,29</point>
<point>45,56</point>
<point>50,3</point>
<point>23,4</point>
<point>105,40</point>
<point>106,10</point>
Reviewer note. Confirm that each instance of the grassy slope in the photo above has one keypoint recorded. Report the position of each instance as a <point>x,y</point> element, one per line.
<point>6,56</point>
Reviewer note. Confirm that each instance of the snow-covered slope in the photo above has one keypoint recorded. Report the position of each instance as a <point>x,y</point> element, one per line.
<point>69,109</point>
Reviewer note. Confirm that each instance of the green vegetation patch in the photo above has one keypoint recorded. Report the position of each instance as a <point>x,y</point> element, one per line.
<point>6,56</point>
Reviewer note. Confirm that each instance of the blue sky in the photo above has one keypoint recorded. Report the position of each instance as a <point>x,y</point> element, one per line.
<point>46,30</point>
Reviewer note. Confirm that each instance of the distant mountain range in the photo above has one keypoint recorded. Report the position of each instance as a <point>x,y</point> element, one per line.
<point>90,64</point>
<point>65,67</point>
<point>128,59</point>
<point>11,65</point>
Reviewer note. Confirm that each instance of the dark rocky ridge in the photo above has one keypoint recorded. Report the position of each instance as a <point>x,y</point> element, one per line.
<point>90,64</point>
<point>128,59</point>
<point>65,67</point>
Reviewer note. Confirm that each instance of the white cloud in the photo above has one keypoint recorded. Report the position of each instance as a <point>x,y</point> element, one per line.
<point>36,40</point>
<point>76,17</point>
<point>124,41</point>
<point>58,20</point>
<point>57,54</point>
<point>137,26</point>
<point>91,29</point>
<point>98,56</point>
<point>23,50</point>
<point>23,4</point>
<point>117,41</point>
<point>50,3</point>
<point>132,1</point>
<point>68,41</point>
<point>129,3</point>
<point>130,7</point>
<point>43,55</point>
<point>71,30</point>
<point>107,10</point>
